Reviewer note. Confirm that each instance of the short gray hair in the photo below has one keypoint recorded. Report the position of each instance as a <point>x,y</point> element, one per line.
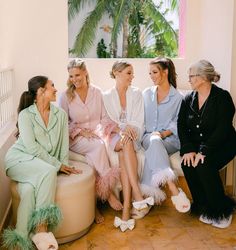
<point>206,69</point>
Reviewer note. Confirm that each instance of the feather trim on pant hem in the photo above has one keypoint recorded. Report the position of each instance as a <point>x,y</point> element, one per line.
<point>12,240</point>
<point>51,215</point>
<point>105,184</point>
<point>161,178</point>
<point>222,211</point>
<point>158,195</point>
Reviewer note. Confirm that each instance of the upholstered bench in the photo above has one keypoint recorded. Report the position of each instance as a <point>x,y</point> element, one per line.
<point>75,195</point>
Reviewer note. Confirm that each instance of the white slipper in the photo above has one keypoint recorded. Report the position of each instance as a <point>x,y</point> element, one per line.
<point>205,220</point>
<point>139,214</point>
<point>124,225</point>
<point>181,202</point>
<point>223,223</point>
<point>45,241</point>
<point>143,203</point>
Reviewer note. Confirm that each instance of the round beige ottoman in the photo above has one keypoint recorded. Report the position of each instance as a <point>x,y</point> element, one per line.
<point>75,196</point>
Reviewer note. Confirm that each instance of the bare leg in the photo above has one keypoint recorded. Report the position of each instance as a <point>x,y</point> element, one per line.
<point>98,216</point>
<point>114,202</point>
<point>41,228</point>
<point>126,188</point>
<point>131,164</point>
<point>173,188</point>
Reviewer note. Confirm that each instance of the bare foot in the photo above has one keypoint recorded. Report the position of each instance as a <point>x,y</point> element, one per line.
<point>98,216</point>
<point>114,202</point>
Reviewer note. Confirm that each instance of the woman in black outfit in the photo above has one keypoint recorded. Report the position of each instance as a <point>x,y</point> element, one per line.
<point>208,143</point>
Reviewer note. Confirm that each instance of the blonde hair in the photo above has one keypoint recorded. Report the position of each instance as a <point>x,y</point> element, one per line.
<point>75,63</point>
<point>206,69</point>
<point>119,65</point>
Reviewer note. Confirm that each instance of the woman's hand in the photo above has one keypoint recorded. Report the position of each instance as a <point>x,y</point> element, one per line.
<point>130,132</point>
<point>88,133</point>
<point>198,157</point>
<point>70,170</point>
<point>189,159</point>
<point>157,133</point>
<point>124,139</point>
<point>162,134</point>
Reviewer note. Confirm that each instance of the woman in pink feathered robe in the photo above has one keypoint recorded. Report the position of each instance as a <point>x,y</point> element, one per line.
<point>87,121</point>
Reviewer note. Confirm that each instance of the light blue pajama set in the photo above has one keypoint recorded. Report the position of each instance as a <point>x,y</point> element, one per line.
<point>33,161</point>
<point>159,117</point>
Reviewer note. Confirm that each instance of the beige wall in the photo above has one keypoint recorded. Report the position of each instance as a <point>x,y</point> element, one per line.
<point>34,40</point>
<point>4,180</point>
<point>233,88</point>
<point>233,64</point>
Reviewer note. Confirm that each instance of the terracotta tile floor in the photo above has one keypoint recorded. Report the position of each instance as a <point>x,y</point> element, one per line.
<point>163,228</point>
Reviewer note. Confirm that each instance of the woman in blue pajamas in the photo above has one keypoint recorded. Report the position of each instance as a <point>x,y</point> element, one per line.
<point>33,161</point>
<point>162,102</point>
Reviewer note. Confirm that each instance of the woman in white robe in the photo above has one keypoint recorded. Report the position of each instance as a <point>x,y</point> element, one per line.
<point>124,105</point>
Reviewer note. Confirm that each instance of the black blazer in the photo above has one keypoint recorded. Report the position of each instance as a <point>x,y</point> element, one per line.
<point>209,129</point>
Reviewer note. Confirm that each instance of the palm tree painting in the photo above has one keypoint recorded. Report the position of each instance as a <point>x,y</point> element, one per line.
<point>139,27</point>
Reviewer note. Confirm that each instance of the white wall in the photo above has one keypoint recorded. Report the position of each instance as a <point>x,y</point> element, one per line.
<point>4,180</point>
<point>34,40</point>
<point>99,72</point>
<point>233,64</point>
<point>233,90</point>
<point>216,30</point>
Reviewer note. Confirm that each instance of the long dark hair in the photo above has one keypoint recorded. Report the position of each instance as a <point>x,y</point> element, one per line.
<point>166,63</point>
<point>28,97</point>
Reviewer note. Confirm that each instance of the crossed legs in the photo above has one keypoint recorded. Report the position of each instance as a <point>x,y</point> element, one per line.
<point>129,176</point>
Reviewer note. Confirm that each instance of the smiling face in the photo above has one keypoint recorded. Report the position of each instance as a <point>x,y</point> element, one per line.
<point>48,92</point>
<point>157,74</point>
<point>125,76</point>
<point>78,76</point>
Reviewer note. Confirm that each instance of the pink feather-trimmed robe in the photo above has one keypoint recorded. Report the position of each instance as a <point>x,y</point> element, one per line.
<point>91,115</point>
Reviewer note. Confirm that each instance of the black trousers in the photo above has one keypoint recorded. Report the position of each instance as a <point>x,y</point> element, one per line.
<point>206,186</point>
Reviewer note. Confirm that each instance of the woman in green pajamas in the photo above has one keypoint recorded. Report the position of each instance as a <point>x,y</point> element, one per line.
<point>33,161</point>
